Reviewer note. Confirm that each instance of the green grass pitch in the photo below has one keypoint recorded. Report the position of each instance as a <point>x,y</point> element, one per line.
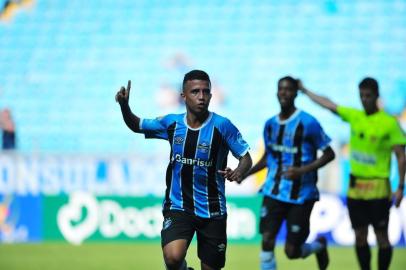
<point>146,256</point>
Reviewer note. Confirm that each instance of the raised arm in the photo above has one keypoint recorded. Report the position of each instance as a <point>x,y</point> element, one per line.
<point>322,101</point>
<point>237,175</point>
<point>132,121</point>
<point>295,172</point>
<point>2,120</point>
<point>401,159</point>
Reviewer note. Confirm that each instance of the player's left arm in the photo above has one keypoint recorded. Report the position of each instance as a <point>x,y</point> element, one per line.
<point>295,172</point>
<point>237,175</point>
<point>401,159</point>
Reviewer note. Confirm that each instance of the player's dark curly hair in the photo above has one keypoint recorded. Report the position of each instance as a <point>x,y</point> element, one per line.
<point>291,80</point>
<point>370,83</point>
<point>195,75</point>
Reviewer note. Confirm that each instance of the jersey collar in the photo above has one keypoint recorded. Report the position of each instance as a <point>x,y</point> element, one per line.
<point>204,123</point>
<point>293,116</point>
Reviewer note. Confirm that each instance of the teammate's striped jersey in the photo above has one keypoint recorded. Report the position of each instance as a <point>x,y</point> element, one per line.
<point>292,142</point>
<point>192,181</point>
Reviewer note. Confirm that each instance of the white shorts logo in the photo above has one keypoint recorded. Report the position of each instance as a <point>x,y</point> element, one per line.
<point>295,228</point>
<point>167,223</point>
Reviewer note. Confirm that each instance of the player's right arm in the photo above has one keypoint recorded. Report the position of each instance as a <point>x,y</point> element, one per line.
<point>322,101</point>
<point>131,120</point>
<point>401,159</point>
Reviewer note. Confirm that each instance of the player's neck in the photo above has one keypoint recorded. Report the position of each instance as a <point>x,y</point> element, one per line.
<point>371,110</point>
<point>196,120</point>
<point>286,112</point>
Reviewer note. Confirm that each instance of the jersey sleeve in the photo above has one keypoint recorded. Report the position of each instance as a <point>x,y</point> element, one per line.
<point>397,135</point>
<point>347,114</point>
<point>155,128</point>
<point>320,139</point>
<point>237,145</point>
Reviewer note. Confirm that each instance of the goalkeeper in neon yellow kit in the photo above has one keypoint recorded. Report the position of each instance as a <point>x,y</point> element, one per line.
<point>374,135</point>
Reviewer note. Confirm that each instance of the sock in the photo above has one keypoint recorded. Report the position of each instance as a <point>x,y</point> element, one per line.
<point>268,261</point>
<point>364,257</point>
<point>384,258</point>
<point>309,248</point>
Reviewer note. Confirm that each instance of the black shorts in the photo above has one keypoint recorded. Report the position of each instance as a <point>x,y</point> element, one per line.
<point>211,235</point>
<point>365,212</point>
<point>297,216</point>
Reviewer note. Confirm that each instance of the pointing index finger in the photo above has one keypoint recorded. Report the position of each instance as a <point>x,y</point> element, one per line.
<point>129,85</point>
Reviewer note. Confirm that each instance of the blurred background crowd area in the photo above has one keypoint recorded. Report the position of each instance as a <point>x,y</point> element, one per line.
<point>61,63</point>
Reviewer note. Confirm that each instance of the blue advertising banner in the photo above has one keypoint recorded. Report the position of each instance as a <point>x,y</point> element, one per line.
<point>20,218</point>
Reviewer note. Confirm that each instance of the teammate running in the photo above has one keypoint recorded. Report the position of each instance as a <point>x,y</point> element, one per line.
<point>292,139</point>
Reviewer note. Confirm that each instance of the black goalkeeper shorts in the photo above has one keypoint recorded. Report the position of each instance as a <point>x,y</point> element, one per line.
<point>365,212</point>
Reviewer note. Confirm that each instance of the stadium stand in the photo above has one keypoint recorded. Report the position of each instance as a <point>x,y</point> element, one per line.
<point>62,61</point>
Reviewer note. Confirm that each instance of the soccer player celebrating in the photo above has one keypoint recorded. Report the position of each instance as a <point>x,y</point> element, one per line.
<point>195,178</point>
<point>374,135</point>
<point>292,139</point>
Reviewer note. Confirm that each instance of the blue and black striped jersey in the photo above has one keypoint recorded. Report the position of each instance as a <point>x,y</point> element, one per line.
<point>192,181</point>
<point>292,142</point>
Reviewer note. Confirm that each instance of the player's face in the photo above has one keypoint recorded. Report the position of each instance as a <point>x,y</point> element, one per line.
<point>368,99</point>
<point>286,93</point>
<point>197,95</point>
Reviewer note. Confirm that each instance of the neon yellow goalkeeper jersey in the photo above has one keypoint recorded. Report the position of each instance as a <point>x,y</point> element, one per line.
<point>372,139</point>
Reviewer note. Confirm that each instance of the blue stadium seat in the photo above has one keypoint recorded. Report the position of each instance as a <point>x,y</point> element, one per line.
<point>61,62</point>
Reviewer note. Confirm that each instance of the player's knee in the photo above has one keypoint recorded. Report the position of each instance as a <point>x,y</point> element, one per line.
<point>361,241</point>
<point>361,236</point>
<point>292,252</point>
<point>382,238</point>
<point>174,258</point>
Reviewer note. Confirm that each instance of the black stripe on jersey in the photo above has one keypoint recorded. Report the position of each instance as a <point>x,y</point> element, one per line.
<point>167,202</point>
<point>269,139</point>
<point>212,188</point>
<point>186,173</point>
<point>316,177</point>
<point>278,155</point>
<point>297,159</point>
<point>269,133</point>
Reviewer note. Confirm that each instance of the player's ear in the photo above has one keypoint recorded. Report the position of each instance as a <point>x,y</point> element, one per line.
<point>182,94</point>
